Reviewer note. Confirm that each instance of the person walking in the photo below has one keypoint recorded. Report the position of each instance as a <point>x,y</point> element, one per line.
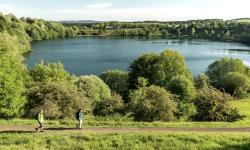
<point>79,117</point>
<point>40,120</point>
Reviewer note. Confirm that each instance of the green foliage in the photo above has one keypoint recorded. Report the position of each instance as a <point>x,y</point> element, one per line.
<point>215,29</point>
<point>51,72</point>
<point>142,67</point>
<point>96,90</point>
<point>220,68</point>
<point>169,65</point>
<point>201,81</point>
<point>185,90</point>
<point>116,80</point>
<point>58,100</point>
<point>213,105</point>
<point>109,106</point>
<point>12,78</point>
<point>182,87</point>
<point>236,84</point>
<point>151,104</point>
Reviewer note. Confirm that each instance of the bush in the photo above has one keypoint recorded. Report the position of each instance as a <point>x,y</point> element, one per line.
<point>236,84</point>
<point>201,81</point>
<point>58,100</point>
<point>185,111</point>
<point>185,90</point>
<point>109,106</point>
<point>52,72</point>
<point>152,104</point>
<point>96,90</point>
<point>116,80</point>
<point>213,105</point>
<point>182,87</point>
<point>220,68</point>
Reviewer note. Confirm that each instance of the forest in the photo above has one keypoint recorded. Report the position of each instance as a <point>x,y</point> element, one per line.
<point>154,87</point>
<point>237,30</point>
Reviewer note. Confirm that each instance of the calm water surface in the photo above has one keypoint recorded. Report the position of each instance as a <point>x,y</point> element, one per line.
<point>93,55</point>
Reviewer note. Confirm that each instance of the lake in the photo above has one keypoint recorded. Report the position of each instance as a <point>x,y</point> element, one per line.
<point>94,55</point>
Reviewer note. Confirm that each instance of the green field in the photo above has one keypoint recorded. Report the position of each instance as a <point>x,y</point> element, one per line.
<point>96,141</point>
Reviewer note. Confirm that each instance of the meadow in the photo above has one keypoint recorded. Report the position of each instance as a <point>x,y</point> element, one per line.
<point>147,140</point>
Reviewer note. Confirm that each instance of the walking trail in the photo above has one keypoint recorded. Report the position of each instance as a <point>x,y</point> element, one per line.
<point>26,128</point>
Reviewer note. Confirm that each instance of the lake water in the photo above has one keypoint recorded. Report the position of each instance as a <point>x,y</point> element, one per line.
<point>94,55</point>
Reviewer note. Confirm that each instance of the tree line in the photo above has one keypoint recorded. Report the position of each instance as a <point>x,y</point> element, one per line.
<point>215,29</point>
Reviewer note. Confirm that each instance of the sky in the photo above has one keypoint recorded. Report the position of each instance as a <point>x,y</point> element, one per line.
<point>127,10</point>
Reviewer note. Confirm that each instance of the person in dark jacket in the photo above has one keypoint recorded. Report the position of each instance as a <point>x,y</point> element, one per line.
<point>79,117</point>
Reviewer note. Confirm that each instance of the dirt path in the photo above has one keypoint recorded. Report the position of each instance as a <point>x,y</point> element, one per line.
<point>10,128</point>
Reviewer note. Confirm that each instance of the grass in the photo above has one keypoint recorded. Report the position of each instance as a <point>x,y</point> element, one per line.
<point>109,141</point>
<point>117,121</point>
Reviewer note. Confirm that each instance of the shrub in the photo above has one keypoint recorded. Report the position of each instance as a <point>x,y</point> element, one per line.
<point>152,104</point>
<point>201,81</point>
<point>58,100</point>
<point>52,72</point>
<point>116,80</point>
<point>220,68</point>
<point>109,106</point>
<point>96,90</point>
<point>182,87</point>
<point>185,90</point>
<point>236,84</point>
<point>213,105</point>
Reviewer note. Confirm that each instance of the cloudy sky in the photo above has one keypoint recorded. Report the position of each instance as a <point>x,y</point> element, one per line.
<point>127,10</point>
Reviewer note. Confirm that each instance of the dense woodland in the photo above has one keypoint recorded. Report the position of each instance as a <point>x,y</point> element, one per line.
<point>215,29</point>
<point>154,88</point>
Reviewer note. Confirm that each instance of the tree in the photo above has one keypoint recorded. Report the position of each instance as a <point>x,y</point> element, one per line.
<point>236,84</point>
<point>213,105</point>
<point>116,80</point>
<point>142,67</point>
<point>96,90</point>
<point>169,65</point>
<point>152,104</point>
<point>51,72</point>
<point>12,78</point>
<point>220,68</point>
<point>58,100</point>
